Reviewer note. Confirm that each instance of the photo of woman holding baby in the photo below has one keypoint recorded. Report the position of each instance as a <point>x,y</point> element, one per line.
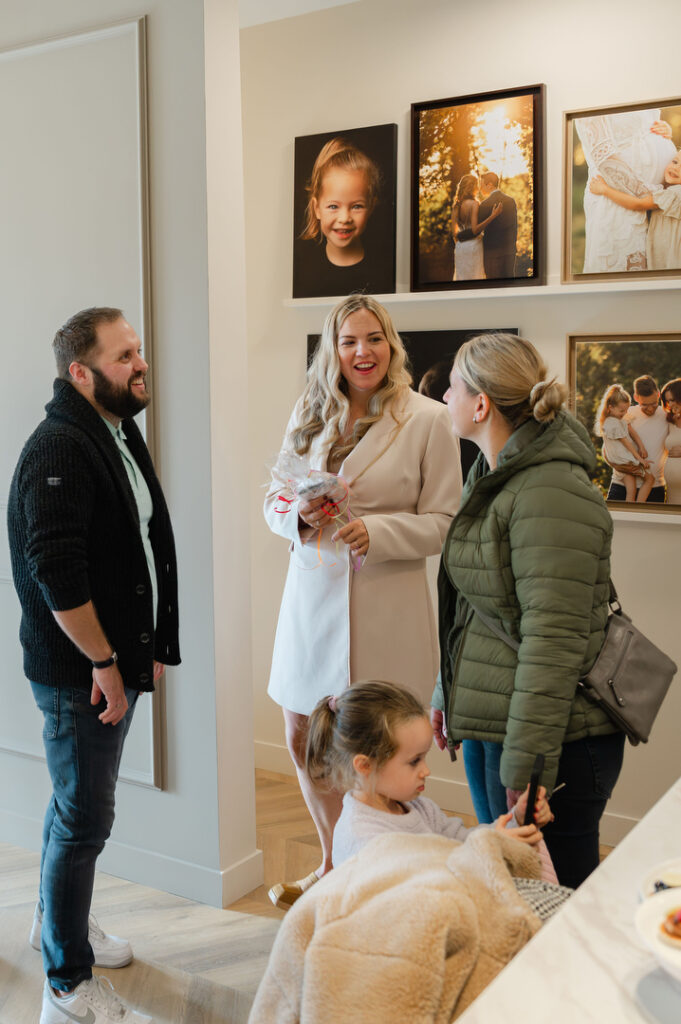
<point>624,195</point>
<point>344,212</point>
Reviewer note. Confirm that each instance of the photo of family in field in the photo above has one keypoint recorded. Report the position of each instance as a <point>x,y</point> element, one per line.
<point>627,392</point>
<point>623,208</point>
<point>475,190</point>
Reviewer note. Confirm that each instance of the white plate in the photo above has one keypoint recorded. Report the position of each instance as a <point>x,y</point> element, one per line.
<point>649,916</point>
<point>672,867</point>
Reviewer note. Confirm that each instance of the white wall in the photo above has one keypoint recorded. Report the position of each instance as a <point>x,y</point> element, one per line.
<point>363,65</point>
<point>197,837</point>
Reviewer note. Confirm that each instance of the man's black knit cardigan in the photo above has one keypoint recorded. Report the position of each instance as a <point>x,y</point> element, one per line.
<point>74,536</point>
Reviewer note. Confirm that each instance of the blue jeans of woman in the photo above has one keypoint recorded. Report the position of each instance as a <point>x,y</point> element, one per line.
<point>83,757</point>
<point>589,768</point>
<point>481,761</point>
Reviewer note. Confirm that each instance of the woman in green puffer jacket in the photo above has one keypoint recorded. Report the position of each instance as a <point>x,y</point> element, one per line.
<point>530,550</point>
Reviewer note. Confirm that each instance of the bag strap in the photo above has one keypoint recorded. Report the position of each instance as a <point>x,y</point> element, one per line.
<point>495,628</point>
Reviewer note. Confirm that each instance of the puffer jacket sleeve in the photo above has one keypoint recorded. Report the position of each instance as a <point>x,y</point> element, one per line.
<point>560,560</point>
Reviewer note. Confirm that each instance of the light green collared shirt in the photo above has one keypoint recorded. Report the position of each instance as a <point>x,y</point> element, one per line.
<point>145,507</point>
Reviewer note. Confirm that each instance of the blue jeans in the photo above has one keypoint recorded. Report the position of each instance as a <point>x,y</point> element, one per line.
<point>481,761</point>
<point>589,768</point>
<point>83,757</point>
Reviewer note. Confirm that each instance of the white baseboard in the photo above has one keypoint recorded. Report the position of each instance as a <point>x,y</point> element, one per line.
<point>448,793</point>
<point>273,757</point>
<point>148,867</point>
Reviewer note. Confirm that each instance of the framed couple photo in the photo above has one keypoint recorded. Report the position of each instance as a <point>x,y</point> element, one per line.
<point>622,202</point>
<point>626,390</point>
<point>477,191</point>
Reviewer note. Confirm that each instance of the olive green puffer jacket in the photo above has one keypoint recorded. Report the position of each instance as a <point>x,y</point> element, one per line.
<point>529,547</point>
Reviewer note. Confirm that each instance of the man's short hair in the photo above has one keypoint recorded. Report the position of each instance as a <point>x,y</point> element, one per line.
<point>645,386</point>
<point>490,178</point>
<point>78,336</point>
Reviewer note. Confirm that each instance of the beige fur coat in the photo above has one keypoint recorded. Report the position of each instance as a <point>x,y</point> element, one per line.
<point>411,929</point>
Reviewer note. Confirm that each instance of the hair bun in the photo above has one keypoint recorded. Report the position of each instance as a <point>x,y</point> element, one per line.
<point>546,399</point>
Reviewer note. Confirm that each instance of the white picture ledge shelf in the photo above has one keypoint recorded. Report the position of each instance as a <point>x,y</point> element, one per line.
<point>546,290</point>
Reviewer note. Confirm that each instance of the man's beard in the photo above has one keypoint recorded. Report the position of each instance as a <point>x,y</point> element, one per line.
<point>119,400</point>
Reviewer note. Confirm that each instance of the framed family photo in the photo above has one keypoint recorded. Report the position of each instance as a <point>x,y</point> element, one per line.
<point>431,354</point>
<point>344,212</point>
<point>626,390</point>
<point>622,197</point>
<point>477,191</point>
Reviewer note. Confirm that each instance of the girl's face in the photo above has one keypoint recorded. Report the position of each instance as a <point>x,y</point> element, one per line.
<point>619,410</point>
<point>461,405</point>
<point>672,172</point>
<point>403,777</point>
<point>342,207</point>
<point>364,352</point>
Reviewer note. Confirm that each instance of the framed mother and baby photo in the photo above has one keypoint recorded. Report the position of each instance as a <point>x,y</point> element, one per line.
<point>622,203</point>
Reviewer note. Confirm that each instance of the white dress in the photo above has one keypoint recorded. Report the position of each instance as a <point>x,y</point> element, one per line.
<point>664,232</point>
<point>627,154</point>
<point>337,625</point>
<point>468,260</point>
<point>672,467</point>
<point>613,449</point>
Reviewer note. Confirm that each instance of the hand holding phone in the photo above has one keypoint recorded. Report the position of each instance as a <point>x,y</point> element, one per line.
<point>535,779</point>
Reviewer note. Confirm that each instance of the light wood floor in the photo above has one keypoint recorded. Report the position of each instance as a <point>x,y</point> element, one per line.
<point>193,964</point>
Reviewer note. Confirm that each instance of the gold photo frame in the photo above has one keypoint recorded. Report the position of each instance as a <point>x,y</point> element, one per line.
<point>596,362</point>
<point>623,152</point>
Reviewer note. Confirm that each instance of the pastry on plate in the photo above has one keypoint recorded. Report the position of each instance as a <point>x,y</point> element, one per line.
<point>670,929</point>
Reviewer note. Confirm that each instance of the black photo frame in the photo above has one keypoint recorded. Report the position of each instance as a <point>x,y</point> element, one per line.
<point>495,132</point>
<point>314,275</point>
<point>431,354</point>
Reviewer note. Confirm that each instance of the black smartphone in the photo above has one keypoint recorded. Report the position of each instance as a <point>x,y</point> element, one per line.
<point>534,786</point>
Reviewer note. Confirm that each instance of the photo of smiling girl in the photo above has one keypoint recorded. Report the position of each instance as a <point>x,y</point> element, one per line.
<point>345,213</point>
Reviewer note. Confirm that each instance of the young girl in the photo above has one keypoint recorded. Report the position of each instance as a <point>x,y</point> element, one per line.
<point>342,192</point>
<point>622,447</point>
<point>663,242</point>
<point>371,742</point>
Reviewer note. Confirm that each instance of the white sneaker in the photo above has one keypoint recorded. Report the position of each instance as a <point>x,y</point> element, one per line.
<point>92,1002</point>
<point>109,950</point>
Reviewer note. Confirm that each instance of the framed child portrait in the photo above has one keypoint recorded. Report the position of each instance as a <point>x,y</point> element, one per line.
<point>344,212</point>
<point>477,191</point>
<point>626,390</point>
<point>622,198</point>
<point>431,354</point>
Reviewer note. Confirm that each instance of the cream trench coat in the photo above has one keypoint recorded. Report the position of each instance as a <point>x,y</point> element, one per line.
<point>337,625</point>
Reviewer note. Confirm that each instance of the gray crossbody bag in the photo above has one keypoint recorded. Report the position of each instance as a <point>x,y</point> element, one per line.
<point>630,677</point>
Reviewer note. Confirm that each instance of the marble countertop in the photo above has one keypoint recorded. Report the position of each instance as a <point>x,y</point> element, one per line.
<point>588,963</point>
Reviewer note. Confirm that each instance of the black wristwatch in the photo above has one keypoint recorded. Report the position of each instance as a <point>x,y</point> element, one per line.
<point>107,661</point>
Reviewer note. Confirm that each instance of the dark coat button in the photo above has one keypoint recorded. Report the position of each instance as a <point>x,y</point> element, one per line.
<point>144,638</point>
<point>144,677</point>
<point>140,589</point>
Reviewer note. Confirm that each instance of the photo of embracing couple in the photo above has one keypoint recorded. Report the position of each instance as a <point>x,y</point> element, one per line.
<point>485,232</point>
<point>477,192</point>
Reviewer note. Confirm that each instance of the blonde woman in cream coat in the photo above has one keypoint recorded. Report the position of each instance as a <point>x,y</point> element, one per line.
<point>395,449</point>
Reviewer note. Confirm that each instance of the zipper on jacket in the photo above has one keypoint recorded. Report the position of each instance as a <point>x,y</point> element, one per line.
<point>455,670</point>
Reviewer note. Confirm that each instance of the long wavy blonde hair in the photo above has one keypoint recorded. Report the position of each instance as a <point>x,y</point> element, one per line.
<point>324,407</point>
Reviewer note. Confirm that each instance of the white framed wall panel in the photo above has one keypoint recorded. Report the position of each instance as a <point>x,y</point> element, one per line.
<point>74,211</point>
